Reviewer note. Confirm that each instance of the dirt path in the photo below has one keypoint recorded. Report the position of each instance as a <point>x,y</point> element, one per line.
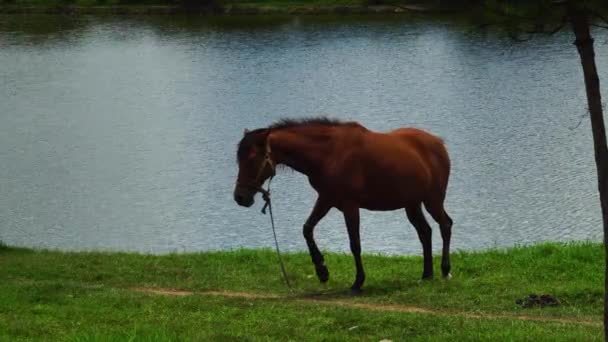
<point>369,306</point>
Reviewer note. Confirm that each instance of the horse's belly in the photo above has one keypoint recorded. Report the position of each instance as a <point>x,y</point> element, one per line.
<point>375,206</point>
<point>383,204</point>
<point>389,198</point>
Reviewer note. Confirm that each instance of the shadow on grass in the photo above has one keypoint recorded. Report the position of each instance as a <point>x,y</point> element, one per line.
<point>377,289</point>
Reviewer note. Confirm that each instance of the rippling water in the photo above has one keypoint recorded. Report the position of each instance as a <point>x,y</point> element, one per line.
<point>120,133</point>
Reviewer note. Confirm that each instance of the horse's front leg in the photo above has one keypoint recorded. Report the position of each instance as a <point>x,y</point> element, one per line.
<point>351,216</point>
<point>319,211</point>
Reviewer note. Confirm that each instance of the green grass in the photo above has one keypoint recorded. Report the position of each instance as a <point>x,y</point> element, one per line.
<point>87,296</point>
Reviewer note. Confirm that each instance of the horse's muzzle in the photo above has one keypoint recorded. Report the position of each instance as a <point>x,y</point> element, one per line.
<point>243,199</point>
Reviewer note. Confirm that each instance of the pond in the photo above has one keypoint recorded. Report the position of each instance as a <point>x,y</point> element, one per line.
<point>120,133</point>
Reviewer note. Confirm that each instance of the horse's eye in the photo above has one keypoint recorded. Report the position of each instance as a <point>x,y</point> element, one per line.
<point>252,153</point>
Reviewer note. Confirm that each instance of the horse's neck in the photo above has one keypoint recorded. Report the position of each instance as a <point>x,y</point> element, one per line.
<point>303,150</point>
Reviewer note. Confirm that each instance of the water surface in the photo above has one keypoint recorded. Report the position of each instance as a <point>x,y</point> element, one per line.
<point>120,133</point>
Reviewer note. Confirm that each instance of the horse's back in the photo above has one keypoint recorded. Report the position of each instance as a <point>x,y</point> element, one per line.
<point>418,136</point>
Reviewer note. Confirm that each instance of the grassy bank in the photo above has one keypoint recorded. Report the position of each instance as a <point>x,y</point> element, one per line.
<point>91,296</point>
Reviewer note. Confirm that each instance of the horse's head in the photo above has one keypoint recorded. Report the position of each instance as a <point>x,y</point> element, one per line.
<point>255,166</point>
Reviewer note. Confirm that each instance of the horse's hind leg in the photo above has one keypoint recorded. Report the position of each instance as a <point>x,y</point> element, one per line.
<point>437,211</point>
<point>351,217</point>
<point>319,211</point>
<point>416,217</point>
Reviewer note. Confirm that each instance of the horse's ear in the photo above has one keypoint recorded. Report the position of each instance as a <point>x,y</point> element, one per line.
<point>245,131</point>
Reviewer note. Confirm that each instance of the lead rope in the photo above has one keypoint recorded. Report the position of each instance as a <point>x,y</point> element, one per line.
<point>266,197</point>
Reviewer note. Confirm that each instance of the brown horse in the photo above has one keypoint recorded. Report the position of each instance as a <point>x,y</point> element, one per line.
<point>351,168</point>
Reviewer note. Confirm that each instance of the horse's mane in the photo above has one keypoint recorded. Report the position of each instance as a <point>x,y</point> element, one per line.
<point>322,121</point>
<point>251,137</point>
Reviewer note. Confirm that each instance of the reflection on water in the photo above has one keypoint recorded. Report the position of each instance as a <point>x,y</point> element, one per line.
<point>121,133</point>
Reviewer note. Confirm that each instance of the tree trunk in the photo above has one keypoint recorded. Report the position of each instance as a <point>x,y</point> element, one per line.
<point>579,20</point>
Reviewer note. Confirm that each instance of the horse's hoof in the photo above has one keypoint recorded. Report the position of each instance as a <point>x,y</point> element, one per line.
<point>322,273</point>
<point>427,277</point>
<point>447,276</point>
<point>355,291</point>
